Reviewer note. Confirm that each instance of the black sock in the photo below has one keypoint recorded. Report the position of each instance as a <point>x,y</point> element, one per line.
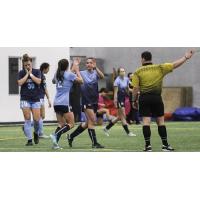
<point>147,135</point>
<point>29,141</point>
<point>57,129</point>
<point>62,131</point>
<point>92,135</point>
<point>109,126</point>
<point>77,132</point>
<point>163,134</point>
<point>126,128</point>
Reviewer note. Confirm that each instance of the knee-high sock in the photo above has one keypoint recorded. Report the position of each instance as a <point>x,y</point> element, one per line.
<point>36,127</point>
<point>126,129</point>
<point>163,134</point>
<point>62,131</point>
<point>27,129</point>
<point>77,132</point>
<point>110,125</point>
<point>41,126</point>
<point>92,135</point>
<point>147,135</point>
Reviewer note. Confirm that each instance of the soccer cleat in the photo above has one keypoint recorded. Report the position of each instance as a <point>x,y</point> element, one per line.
<point>106,131</point>
<point>56,147</point>
<point>167,148</point>
<point>148,148</point>
<point>131,134</point>
<point>69,140</point>
<point>29,143</point>
<point>97,146</point>
<point>36,138</point>
<point>43,136</point>
<point>54,139</point>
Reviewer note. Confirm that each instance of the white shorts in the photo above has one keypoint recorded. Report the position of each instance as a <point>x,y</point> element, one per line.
<point>30,104</point>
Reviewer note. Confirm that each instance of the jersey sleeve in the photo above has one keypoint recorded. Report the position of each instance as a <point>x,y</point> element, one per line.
<point>72,77</point>
<point>135,80</point>
<point>116,83</point>
<point>166,68</point>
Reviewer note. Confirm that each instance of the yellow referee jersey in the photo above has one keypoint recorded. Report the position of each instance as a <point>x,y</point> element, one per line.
<point>149,78</point>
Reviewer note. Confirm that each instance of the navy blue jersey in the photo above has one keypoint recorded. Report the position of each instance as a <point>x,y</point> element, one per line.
<point>43,86</point>
<point>30,91</point>
<point>89,88</point>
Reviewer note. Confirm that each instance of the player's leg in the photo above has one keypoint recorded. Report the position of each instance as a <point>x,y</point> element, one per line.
<point>147,133</point>
<point>145,112</point>
<point>55,137</point>
<point>110,125</point>
<point>42,113</point>
<point>36,117</point>
<point>91,118</point>
<point>80,129</point>
<point>27,122</point>
<point>159,113</point>
<point>69,119</point>
<point>122,116</point>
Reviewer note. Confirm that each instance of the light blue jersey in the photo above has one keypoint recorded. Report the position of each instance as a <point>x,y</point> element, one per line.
<point>89,88</point>
<point>63,89</point>
<point>122,85</point>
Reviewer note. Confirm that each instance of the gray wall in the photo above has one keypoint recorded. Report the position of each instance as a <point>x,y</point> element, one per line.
<point>129,57</point>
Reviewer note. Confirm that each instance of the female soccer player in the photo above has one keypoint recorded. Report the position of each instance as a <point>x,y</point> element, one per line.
<point>44,68</point>
<point>120,92</point>
<point>29,79</point>
<point>89,91</point>
<point>64,80</point>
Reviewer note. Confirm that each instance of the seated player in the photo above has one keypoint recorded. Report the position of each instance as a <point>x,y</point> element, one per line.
<point>102,107</point>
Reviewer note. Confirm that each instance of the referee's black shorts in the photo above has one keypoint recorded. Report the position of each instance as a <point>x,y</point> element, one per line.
<point>151,105</point>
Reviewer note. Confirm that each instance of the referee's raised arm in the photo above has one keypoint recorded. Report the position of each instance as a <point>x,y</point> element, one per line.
<point>182,60</point>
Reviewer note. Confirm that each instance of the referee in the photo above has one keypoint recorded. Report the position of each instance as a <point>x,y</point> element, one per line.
<point>148,79</point>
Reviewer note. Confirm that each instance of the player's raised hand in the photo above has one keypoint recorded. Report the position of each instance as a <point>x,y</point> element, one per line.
<point>94,63</point>
<point>77,61</point>
<point>189,54</point>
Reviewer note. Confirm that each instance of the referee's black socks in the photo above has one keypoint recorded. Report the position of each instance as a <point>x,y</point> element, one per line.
<point>92,135</point>
<point>163,134</point>
<point>147,135</point>
<point>77,132</point>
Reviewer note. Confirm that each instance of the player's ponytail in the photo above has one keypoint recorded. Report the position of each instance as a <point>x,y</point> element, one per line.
<point>62,67</point>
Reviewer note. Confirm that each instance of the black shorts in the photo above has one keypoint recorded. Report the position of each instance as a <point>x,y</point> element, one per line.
<point>94,107</point>
<point>62,109</point>
<point>151,105</point>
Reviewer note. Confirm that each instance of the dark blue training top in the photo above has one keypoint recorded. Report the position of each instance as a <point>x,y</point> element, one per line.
<point>30,90</point>
<point>89,88</point>
<point>43,86</point>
